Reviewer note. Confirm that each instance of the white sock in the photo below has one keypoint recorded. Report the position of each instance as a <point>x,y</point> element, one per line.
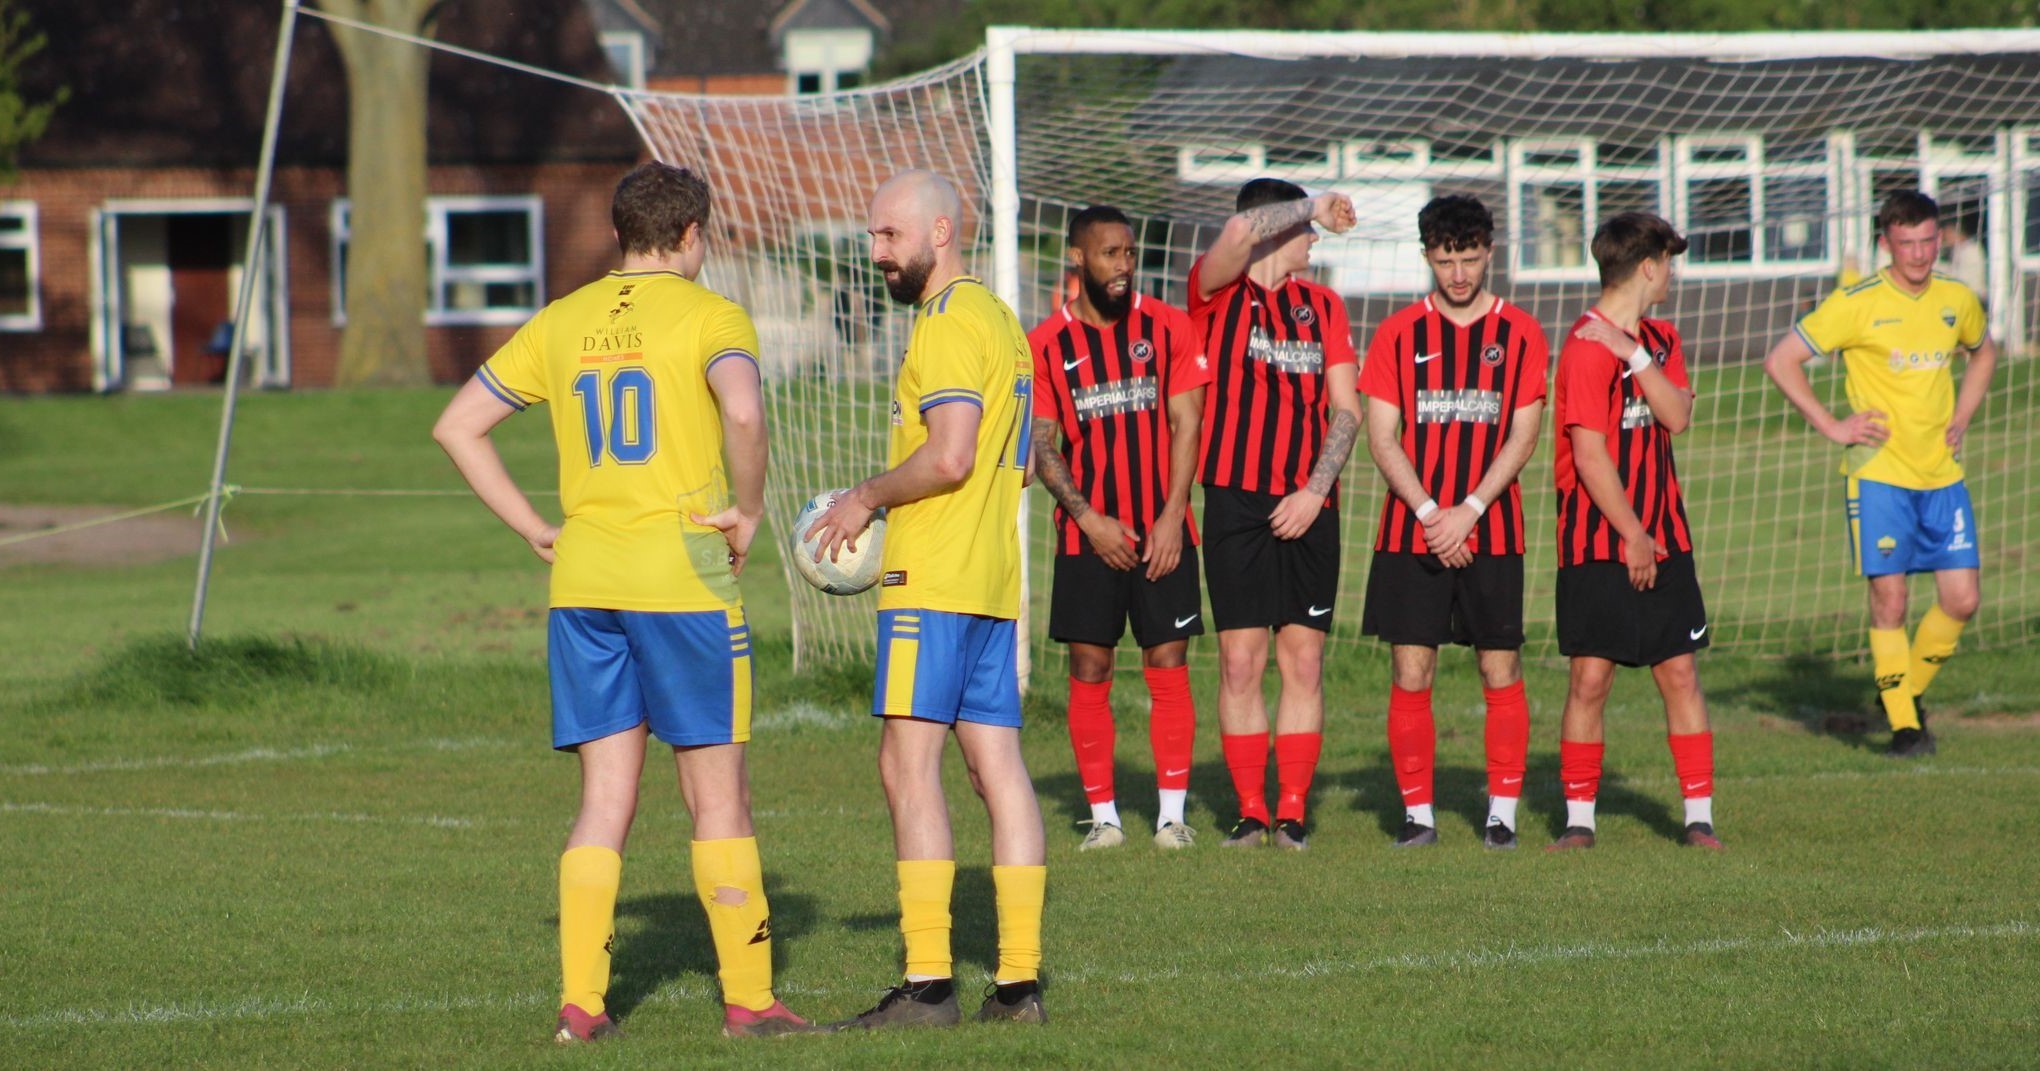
<point>1579,813</point>
<point>1106,813</point>
<point>1502,809</point>
<point>1421,814</point>
<point>1171,807</point>
<point>1700,810</point>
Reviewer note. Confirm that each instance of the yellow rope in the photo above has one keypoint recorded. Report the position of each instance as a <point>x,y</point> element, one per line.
<point>226,494</point>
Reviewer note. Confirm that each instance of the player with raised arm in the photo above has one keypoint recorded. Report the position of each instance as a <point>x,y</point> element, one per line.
<point>948,601</point>
<point>1455,397</point>
<point>1909,509</point>
<point>1119,377</point>
<point>660,424</point>
<point>1280,419</point>
<point>1627,591</point>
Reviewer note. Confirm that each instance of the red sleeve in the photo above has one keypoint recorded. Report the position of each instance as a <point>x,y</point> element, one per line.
<point>1536,367</point>
<point>1589,371</point>
<point>1195,303</point>
<point>1675,361</point>
<point>1381,373</point>
<point>1044,383</point>
<point>1188,369</point>
<point>1338,331</point>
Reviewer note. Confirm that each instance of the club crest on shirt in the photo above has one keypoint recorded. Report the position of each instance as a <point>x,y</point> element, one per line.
<point>1142,351</point>
<point>1947,316</point>
<point>1303,315</point>
<point>1491,354</point>
<point>1657,356</point>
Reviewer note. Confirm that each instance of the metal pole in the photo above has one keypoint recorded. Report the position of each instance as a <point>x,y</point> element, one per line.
<point>251,267</point>
<point>999,74</point>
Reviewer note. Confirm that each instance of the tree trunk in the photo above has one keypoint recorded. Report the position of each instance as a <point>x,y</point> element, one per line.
<point>384,342</point>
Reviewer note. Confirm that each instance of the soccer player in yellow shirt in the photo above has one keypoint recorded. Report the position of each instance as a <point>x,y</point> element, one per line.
<point>660,423</point>
<point>948,601</point>
<point>1909,512</point>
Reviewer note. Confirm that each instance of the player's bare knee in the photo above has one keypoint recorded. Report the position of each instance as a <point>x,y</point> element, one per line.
<point>731,896</point>
<point>1962,605</point>
<point>1241,670</point>
<point>1166,655</point>
<point>1591,680</point>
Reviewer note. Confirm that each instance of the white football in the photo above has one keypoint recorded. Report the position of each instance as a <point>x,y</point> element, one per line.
<point>853,570</point>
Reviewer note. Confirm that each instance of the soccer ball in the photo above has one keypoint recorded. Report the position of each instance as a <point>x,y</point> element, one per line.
<point>853,570</point>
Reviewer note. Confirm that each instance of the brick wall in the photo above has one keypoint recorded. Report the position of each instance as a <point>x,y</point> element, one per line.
<point>578,246</point>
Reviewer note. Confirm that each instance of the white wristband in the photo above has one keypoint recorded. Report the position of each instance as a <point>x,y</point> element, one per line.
<point>1479,507</point>
<point>1429,507</point>
<point>1639,359</point>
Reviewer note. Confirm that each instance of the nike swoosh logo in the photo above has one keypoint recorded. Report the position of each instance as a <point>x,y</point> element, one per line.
<point>1068,365</point>
<point>1626,373</point>
<point>1174,773</point>
<point>1412,791</point>
<point>1695,785</point>
<point>1425,358</point>
<point>1315,612</point>
<point>1512,780</point>
<point>1695,634</point>
<point>1180,622</point>
<point>1575,786</point>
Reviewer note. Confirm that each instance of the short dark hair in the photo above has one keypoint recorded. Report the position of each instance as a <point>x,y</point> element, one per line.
<point>1905,208</point>
<point>1625,241</point>
<point>655,204</point>
<point>1267,191</point>
<point>1091,217</point>
<point>1454,222</point>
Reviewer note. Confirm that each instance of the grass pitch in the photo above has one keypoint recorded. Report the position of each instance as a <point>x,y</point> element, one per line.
<point>329,839</point>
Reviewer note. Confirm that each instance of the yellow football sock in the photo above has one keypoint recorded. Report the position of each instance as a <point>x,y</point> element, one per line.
<point>1889,659</point>
<point>589,876</point>
<point>1933,644</point>
<point>1020,890</point>
<point>731,884</point>
<point>925,886</point>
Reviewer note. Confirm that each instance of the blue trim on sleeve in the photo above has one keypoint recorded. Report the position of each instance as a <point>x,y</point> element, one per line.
<point>505,394</point>
<point>966,398</point>
<point>745,354</point>
<point>1799,330</point>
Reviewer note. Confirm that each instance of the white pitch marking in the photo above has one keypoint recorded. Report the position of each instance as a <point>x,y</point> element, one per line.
<point>69,810</point>
<point>235,758</point>
<point>689,990</point>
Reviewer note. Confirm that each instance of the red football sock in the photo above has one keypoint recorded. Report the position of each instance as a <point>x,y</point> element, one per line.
<point>1412,743</point>
<point>1579,769</point>
<point>1296,756</point>
<point>1091,736</point>
<point>1508,739</point>
<point>1693,760</point>
<point>1172,725</point>
<point>1246,757</point>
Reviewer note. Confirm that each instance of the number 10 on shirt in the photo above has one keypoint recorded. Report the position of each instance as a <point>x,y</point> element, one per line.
<point>1022,432</point>
<point>632,436</point>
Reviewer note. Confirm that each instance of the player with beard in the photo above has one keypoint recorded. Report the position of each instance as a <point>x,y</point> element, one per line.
<point>948,602</point>
<point>1455,392</point>
<point>1280,420</point>
<point>1120,377</point>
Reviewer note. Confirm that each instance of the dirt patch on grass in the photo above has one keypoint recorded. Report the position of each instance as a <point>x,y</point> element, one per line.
<point>156,537</point>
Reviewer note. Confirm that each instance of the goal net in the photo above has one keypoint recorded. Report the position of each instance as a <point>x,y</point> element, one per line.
<point>1771,152</point>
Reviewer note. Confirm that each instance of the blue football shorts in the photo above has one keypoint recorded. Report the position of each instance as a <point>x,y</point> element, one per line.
<point>687,674</point>
<point>1900,530</point>
<point>946,667</point>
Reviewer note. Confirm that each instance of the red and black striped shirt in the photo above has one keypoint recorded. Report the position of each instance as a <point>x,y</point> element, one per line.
<point>1458,389</point>
<point>1266,412</point>
<point>1109,389</point>
<point>1594,390</point>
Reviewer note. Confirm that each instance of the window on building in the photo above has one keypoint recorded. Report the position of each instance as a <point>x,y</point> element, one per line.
<point>1745,203</point>
<point>1561,190</point>
<point>626,52</point>
<point>484,259</point>
<point>826,60</point>
<point>20,268</point>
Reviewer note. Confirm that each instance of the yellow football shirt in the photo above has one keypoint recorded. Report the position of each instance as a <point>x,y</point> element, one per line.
<point>959,552</point>
<point>624,362</point>
<point>1896,348</point>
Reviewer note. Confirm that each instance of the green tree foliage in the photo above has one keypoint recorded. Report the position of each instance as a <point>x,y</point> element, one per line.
<point>21,120</point>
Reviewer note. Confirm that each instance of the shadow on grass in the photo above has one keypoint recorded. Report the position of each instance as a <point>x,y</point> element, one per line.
<point>974,920</point>
<point>1462,791</point>
<point>231,671</point>
<point>673,942</point>
<point>1827,697</point>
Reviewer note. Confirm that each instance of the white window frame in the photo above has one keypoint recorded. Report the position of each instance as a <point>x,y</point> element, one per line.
<point>440,274</point>
<point>2025,151</point>
<point>1216,162</point>
<point>28,239</point>
<point>1755,168</point>
<point>633,44</point>
<point>1589,173</point>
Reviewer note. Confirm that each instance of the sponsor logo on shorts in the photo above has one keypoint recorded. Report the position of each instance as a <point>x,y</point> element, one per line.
<point>1694,634</point>
<point>1316,611</point>
<point>1181,621</point>
<point>1636,414</point>
<point>1288,355</point>
<point>1116,396</point>
<point>897,578</point>
<point>1465,406</point>
<point>1143,351</point>
<point>1960,539</point>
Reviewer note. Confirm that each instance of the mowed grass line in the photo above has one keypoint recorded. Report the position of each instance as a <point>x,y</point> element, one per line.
<point>331,840</point>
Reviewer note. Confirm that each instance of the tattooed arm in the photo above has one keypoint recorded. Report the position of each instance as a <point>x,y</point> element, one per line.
<point>1246,232</point>
<point>1112,540</point>
<point>1293,516</point>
